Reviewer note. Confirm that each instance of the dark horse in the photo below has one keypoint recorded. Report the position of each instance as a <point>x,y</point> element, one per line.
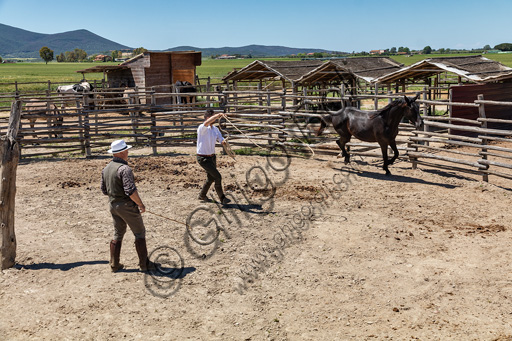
<point>373,126</point>
<point>187,88</point>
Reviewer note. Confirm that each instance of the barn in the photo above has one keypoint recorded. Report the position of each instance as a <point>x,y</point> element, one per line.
<point>151,69</point>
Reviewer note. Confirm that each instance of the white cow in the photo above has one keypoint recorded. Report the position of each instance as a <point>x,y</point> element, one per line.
<point>66,90</point>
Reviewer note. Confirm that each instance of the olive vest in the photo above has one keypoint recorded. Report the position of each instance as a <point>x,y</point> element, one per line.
<point>113,183</point>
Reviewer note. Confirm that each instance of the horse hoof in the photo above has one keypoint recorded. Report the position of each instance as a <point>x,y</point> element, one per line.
<point>388,173</point>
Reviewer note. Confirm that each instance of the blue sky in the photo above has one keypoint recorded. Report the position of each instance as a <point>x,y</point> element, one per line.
<point>340,25</point>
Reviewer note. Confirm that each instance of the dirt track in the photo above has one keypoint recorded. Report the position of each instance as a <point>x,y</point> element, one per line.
<point>421,254</point>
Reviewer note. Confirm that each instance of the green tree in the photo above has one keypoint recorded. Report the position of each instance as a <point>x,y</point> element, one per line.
<point>1,60</point>
<point>71,56</point>
<point>46,54</point>
<point>504,47</point>
<point>427,50</point>
<point>80,54</point>
<point>138,51</point>
<point>116,54</point>
<point>441,50</point>
<point>392,50</point>
<point>487,47</point>
<point>61,58</point>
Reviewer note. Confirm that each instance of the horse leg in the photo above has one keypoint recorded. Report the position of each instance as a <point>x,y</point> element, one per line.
<point>392,144</point>
<point>344,153</point>
<point>384,148</point>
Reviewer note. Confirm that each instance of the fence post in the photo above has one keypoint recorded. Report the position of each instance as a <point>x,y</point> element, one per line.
<point>483,155</point>
<point>425,112</point>
<point>87,133</point>
<point>153,98</point>
<point>154,134</point>
<point>10,153</point>
<point>208,89</point>
<point>376,99</point>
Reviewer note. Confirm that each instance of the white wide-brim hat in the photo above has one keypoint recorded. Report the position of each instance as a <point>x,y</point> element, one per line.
<point>118,146</point>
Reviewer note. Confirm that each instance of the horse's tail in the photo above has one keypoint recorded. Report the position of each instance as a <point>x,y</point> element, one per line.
<point>324,121</point>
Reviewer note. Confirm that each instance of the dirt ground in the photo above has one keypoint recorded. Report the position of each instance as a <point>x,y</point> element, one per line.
<point>334,253</point>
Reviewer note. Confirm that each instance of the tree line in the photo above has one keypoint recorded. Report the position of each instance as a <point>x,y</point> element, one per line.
<point>79,55</point>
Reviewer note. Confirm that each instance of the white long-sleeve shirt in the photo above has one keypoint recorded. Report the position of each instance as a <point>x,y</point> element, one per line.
<point>206,137</point>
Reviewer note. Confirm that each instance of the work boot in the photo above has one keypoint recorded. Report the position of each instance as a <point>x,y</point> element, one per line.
<point>115,254</point>
<point>225,200</point>
<point>202,195</point>
<point>144,263</point>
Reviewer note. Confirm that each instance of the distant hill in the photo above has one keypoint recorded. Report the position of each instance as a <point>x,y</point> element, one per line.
<point>18,43</point>
<point>253,50</point>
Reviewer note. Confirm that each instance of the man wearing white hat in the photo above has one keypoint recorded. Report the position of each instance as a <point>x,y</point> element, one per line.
<point>126,206</point>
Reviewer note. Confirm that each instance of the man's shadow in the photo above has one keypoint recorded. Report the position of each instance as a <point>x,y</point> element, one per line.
<point>56,266</point>
<point>173,273</point>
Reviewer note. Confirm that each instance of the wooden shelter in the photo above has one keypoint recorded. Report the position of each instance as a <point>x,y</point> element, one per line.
<point>473,69</point>
<point>459,79</point>
<point>351,71</point>
<point>284,73</point>
<point>151,69</point>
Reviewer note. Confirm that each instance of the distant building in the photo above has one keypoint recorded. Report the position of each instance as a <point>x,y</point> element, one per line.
<point>102,58</point>
<point>377,51</point>
<point>225,56</point>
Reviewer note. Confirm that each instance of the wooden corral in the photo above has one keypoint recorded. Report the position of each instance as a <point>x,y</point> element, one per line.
<point>157,70</point>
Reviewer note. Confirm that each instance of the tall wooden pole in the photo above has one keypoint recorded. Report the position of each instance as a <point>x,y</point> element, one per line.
<point>10,154</point>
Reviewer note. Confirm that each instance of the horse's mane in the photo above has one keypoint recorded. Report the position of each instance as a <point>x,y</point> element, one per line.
<point>385,111</point>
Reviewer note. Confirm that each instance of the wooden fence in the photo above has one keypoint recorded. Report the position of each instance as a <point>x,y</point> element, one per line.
<point>87,123</point>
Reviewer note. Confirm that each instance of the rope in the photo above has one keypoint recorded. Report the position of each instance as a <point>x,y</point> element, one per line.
<point>161,216</point>
<point>241,132</point>
<point>227,148</point>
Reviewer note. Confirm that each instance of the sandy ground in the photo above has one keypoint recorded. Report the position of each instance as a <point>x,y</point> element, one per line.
<point>334,253</point>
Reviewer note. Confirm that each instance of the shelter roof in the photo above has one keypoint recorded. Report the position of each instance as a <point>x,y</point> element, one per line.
<point>474,68</point>
<point>125,64</point>
<point>366,68</point>
<point>102,68</point>
<point>287,70</point>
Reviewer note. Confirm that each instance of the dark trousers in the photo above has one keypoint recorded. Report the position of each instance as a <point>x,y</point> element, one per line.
<point>209,164</point>
<point>127,213</point>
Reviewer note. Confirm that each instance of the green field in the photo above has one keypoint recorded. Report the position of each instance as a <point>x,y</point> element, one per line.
<point>65,73</point>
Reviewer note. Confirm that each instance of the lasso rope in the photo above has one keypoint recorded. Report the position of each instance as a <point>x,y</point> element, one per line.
<point>189,230</point>
<point>241,132</point>
<point>161,216</point>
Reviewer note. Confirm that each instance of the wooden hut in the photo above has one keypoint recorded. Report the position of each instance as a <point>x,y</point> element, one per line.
<point>157,70</point>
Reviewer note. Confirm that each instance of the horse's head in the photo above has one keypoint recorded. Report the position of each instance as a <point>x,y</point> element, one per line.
<point>412,112</point>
